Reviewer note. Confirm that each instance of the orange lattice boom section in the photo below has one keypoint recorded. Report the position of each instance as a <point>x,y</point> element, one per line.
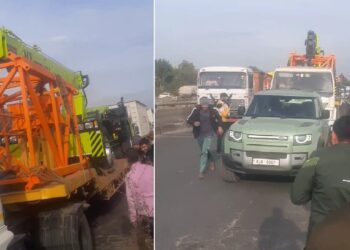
<point>321,61</point>
<point>37,118</point>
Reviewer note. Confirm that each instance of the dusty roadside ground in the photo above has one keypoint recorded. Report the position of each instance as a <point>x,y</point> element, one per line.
<point>110,224</point>
<point>172,118</point>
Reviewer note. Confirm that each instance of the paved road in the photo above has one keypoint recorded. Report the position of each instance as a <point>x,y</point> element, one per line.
<point>210,214</point>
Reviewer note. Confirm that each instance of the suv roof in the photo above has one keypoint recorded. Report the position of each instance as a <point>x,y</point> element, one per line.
<point>296,93</point>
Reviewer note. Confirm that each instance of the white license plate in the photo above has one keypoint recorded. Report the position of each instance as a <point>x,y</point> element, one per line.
<point>266,162</point>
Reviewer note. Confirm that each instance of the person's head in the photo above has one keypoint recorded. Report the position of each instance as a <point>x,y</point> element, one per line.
<point>341,130</point>
<point>132,156</point>
<point>136,142</point>
<point>223,97</point>
<point>204,102</point>
<point>144,145</point>
<point>219,104</point>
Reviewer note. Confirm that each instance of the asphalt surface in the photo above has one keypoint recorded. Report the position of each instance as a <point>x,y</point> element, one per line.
<point>255,213</point>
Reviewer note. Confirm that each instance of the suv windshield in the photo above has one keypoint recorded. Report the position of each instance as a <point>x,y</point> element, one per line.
<point>283,107</point>
<point>232,80</point>
<point>320,82</point>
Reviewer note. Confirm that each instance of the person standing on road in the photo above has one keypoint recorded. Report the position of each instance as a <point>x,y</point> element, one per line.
<point>140,196</point>
<point>206,121</point>
<point>324,179</point>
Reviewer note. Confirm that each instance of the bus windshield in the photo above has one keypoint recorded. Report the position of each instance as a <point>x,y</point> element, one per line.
<point>228,80</point>
<point>320,82</point>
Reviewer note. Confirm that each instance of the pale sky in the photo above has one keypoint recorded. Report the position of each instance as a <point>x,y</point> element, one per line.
<point>110,40</point>
<point>249,32</point>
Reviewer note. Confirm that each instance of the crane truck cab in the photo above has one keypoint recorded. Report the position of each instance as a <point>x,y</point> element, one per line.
<point>236,82</point>
<point>312,79</point>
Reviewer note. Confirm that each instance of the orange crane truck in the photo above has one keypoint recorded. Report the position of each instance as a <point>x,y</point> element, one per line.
<point>53,157</point>
<point>313,71</point>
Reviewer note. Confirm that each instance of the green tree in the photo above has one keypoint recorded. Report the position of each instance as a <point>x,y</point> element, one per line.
<point>185,74</point>
<point>164,75</point>
<point>170,79</point>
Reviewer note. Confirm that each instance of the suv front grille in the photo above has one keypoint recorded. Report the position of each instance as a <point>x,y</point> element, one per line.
<point>269,137</point>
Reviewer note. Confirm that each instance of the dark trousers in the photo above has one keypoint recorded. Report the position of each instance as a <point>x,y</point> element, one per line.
<point>226,126</point>
<point>144,232</point>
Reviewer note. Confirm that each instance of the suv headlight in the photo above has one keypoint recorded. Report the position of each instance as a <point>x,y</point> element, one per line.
<point>302,139</point>
<point>235,136</point>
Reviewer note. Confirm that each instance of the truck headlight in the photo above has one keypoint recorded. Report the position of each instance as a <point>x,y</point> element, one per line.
<point>81,126</point>
<point>13,140</point>
<point>235,136</point>
<point>302,139</point>
<point>89,125</point>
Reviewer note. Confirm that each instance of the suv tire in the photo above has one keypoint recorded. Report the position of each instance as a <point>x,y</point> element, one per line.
<point>225,174</point>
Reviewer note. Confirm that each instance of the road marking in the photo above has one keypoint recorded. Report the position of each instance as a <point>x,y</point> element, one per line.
<point>345,180</point>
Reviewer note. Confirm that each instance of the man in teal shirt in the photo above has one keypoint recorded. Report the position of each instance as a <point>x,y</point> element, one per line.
<point>325,177</point>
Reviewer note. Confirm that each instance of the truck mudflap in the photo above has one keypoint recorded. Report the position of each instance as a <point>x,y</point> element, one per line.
<point>65,228</point>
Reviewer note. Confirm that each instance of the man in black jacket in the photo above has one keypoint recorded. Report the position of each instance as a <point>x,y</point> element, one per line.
<point>206,121</point>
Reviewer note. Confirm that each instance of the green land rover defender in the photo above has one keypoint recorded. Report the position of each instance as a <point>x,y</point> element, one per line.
<point>276,135</point>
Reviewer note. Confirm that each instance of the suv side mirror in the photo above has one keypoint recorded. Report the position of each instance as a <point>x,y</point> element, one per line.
<point>325,114</point>
<point>241,110</point>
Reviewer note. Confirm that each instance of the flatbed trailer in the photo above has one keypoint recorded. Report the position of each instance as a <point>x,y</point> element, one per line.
<point>105,186</point>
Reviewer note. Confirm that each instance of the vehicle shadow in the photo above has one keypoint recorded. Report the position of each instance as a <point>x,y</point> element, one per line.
<point>278,233</point>
<point>267,178</point>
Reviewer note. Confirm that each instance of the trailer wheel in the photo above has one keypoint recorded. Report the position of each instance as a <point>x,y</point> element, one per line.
<point>65,228</point>
<point>225,174</point>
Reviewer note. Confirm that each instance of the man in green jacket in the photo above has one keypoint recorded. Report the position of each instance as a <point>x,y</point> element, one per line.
<point>325,177</point>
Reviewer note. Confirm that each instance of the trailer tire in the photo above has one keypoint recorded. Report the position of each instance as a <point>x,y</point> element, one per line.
<point>66,229</point>
<point>225,174</point>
